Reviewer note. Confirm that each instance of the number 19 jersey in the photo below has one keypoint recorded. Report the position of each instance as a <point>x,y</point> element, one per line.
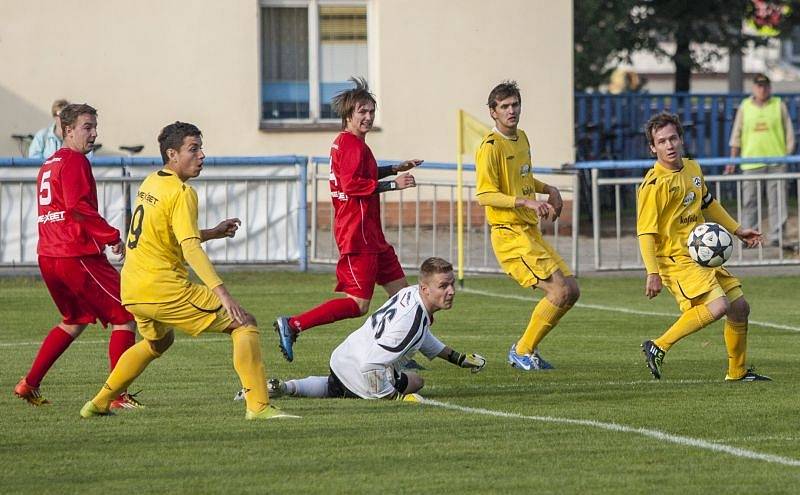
<point>165,214</point>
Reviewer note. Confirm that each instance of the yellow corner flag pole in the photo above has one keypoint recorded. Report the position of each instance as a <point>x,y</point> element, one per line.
<point>460,196</point>
<point>470,133</point>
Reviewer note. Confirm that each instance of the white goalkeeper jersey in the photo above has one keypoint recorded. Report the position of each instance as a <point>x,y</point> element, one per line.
<point>370,359</point>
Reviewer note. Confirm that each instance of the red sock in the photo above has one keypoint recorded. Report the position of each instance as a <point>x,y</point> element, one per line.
<point>327,312</point>
<point>53,346</point>
<point>119,343</point>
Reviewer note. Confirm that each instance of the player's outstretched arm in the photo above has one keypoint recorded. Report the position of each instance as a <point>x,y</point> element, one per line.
<point>473,362</point>
<point>226,228</point>
<point>407,165</point>
<point>388,170</point>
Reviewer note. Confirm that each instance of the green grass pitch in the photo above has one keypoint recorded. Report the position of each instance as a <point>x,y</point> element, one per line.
<point>512,432</point>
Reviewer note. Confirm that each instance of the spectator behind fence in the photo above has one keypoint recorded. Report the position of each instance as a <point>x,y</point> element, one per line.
<point>48,140</point>
<point>762,127</point>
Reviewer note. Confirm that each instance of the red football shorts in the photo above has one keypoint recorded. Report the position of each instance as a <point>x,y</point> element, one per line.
<point>358,273</point>
<point>85,289</point>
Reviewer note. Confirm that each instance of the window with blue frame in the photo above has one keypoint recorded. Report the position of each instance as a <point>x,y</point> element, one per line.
<point>309,51</point>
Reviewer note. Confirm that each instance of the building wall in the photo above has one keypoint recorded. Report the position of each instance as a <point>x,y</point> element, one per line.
<point>144,64</point>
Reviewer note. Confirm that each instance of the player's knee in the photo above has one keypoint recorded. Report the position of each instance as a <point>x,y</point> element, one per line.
<point>561,296</point>
<point>250,320</point>
<point>74,331</point>
<point>739,309</point>
<point>573,292</point>
<point>129,326</point>
<point>161,345</point>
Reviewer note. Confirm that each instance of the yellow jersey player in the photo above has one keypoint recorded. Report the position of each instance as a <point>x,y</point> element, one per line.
<point>163,236</point>
<point>673,199</point>
<point>507,188</point>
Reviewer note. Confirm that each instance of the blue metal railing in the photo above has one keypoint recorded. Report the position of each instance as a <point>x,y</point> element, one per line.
<point>110,161</point>
<point>709,162</point>
<point>611,126</point>
<point>126,162</point>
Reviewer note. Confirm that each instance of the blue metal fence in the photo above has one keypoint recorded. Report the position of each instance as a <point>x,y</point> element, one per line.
<point>610,127</point>
<point>19,171</point>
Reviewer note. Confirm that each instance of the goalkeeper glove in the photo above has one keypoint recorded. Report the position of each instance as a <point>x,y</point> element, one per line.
<point>475,362</point>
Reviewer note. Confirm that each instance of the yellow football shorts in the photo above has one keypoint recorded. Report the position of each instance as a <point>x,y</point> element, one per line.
<point>692,284</point>
<point>525,255</point>
<point>197,310</point>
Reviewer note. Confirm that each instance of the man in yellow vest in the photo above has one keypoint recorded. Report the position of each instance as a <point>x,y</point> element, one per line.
<point>762,127</point>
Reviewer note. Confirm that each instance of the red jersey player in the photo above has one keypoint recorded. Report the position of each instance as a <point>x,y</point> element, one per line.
<point>72,240</point>
<point>365,258</point>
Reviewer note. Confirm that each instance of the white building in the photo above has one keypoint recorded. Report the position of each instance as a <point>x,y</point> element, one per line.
<point>257,76</point>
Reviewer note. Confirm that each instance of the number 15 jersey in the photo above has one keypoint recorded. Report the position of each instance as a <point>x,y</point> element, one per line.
<point>165,214</point>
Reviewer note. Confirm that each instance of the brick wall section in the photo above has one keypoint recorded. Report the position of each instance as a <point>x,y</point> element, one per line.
<point>391,215</point>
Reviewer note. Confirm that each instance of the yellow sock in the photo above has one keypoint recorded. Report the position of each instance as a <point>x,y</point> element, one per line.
<point>130,365</point>
<point>544,318</point>
<point>691,321</point>
<point>736,342</point>
<point>250,367</point>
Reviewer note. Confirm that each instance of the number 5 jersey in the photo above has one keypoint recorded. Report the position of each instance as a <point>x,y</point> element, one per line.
<point>68,220</point>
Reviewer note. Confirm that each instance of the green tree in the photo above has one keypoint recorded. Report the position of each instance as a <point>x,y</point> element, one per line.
<point>599,38</point>
<point>701,32</point>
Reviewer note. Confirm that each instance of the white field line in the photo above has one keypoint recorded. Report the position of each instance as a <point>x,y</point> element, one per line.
<point>560,385</point>
<point>619,309</point>
<point>759,439</point>
<point>658,435</point>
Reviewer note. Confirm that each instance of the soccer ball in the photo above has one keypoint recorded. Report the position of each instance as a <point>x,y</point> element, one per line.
<point>710,244</point>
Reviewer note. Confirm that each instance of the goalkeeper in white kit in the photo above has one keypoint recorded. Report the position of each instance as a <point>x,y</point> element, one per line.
<point>369,363</point>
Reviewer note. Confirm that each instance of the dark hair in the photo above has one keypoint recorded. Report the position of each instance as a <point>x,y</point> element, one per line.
<point>344,103</point>
<point>502,91</point>
<point>172,136</point>
<point>70,113</point>
<point>434,265</point>
<point>660,120</point>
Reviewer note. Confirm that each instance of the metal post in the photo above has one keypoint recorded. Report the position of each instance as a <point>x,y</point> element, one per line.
<point>596,217</point>
<point>576,221</point>
<point>302,213</point>
<point>314,206</point>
